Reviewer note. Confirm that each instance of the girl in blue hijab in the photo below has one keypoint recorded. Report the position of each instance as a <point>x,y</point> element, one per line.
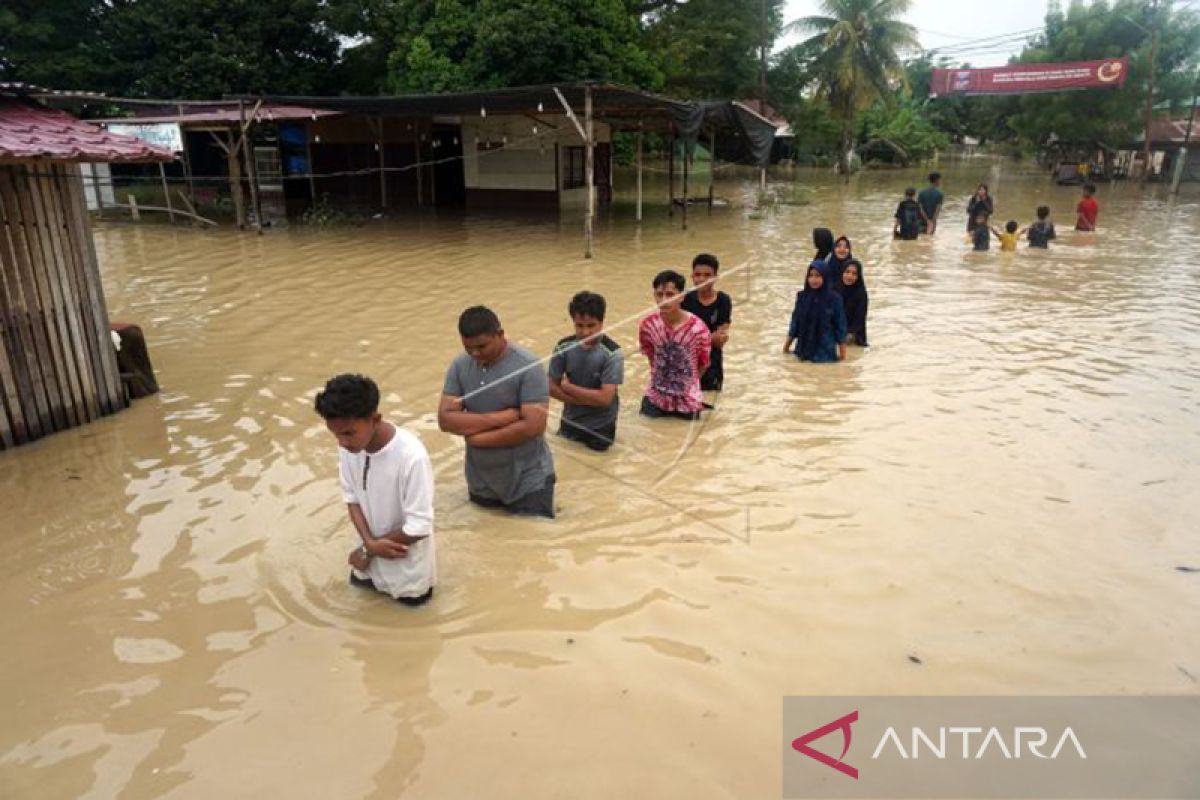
<point>818,326</point>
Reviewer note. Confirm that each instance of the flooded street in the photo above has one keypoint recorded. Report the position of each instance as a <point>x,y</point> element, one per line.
<point>993,498</point>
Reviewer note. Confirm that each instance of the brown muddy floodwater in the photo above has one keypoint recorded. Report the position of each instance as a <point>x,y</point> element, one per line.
<point>1003,487</point>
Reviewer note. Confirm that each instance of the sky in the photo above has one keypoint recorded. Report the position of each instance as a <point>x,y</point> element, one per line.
<point>942,23</point>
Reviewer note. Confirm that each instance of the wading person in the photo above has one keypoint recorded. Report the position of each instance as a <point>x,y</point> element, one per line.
<point>677,345</point>
<point>855,302</point>
<point>841,255</point>
<point>1009,237</point>
<point>908,217</point>
<point>818,326</point>
<point>1041,232</point>
<point>387,483</point>
<point>930,200</point>
<point>496,397</point>
<point>1088,209</point>
<point>585,373</point>
<point>715,310</point>
<point>980,203</point>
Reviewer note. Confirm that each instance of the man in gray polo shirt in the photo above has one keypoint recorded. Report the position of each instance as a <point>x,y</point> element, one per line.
<point>585,373</point>
<point>496,397</point>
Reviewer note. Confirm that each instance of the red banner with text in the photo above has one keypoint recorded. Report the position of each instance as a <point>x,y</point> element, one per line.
<point>1031,78</point>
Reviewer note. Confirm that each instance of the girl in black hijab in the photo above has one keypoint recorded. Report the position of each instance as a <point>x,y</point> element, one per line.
<point>853,290</point>
<point>981,203</point>
<point>838,259</point>
<point>818,326</point>
<point>823,241</point>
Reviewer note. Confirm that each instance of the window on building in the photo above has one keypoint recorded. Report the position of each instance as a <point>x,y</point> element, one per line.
<point>574,174</point>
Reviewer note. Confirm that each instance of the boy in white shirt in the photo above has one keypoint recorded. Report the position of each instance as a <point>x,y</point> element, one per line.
<point>387,483</point>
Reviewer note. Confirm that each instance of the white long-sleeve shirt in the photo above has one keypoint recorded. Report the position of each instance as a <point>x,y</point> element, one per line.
<point>395,492</point>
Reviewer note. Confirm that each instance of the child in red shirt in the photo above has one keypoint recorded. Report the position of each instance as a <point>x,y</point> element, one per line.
<point>1087,210</point>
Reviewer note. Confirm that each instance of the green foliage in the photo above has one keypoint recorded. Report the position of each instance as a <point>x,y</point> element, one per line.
<point>855,55</point>
<point>171,48</point>
<point>451,45</point>
<point>710,48</point>
<point>904,124</point>
<point>326,214</point>
<point>981,118</point>
<point>1110,116</point>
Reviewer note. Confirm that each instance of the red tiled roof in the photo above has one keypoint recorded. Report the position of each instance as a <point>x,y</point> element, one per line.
<point>28,131</point>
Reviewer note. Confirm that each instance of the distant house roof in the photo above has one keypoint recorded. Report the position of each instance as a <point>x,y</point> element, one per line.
<point>224,116</point>
<point>1169,132</point>
<point>28,131</point>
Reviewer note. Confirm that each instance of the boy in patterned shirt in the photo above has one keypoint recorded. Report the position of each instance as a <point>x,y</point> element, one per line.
<point>678,345</point>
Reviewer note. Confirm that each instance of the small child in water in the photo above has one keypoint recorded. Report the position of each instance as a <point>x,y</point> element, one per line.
<point>1041,232</point>
<point>981,235</point>
<point>1008,237</point>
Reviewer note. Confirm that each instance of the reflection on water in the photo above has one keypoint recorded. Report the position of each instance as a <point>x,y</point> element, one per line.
<point>999,485</point>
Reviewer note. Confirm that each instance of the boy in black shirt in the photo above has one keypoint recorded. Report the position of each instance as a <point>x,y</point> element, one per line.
<point>715,310</point>
<point>1041,232</point>
<point>908,216</point>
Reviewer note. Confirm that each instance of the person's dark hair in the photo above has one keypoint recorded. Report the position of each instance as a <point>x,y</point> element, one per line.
<point>823,241</point>
<point>707,260</point>
<point>1043,212</point>
<point>983,186</point>
<point>1090,188</point>
<point>909,192</point>
<point>1012,226</point>
<point>348,396</point>
<point>669,276</point>
<point>478,321</point>
<point>934,177</point>
<point>587,304</point>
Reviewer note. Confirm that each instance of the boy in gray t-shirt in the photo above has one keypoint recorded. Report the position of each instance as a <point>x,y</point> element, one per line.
<point>496,397</point>
<point>585,371</point>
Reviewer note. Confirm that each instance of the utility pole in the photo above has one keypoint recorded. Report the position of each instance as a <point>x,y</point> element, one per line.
<point>1182,156</point>
<point>762,84</point>
<point>1150,90</point>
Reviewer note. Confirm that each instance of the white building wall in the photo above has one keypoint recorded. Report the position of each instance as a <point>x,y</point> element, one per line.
<point>526,158</point>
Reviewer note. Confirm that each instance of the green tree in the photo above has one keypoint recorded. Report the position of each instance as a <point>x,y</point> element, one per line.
<point>903,124</point>
<point>171,48</point>
<point>448,45</point>
<point>710,48</point>
<point>51,44</point>
<point>856,49</point>
<point>1108,117</point>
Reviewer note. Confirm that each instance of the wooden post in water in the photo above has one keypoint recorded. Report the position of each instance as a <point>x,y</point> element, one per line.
<point>712,166</point>
<point>251,175</point>
<point>639,172</point>
<point>671,176</point>
<point>162,173</point>
<point>312,181</point>
<point>187,159</point>
<point>686,159</point>
<point>590,168</point>
<point>133,209</point>
<point>417,163</point>
<point>382,167</point>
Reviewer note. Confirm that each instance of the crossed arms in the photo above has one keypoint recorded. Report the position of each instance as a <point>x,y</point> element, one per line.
<point>508,427</point>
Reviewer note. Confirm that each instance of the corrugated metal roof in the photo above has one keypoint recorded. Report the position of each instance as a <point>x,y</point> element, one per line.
<point>225,116</point>
<point>28,131</point>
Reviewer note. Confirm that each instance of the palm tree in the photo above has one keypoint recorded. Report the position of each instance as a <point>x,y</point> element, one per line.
<point>856,52</point>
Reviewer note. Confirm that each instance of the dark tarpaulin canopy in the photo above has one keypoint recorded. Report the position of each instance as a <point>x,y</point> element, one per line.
<point>621,107</point>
